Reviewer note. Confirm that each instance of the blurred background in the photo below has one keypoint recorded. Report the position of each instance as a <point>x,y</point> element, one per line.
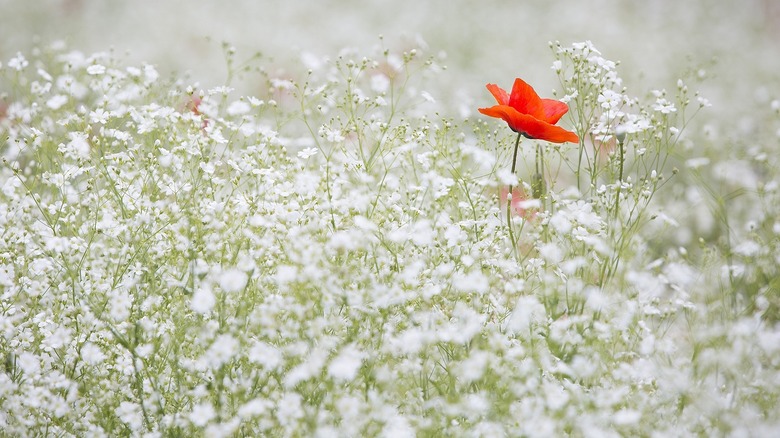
<point>735,42</point>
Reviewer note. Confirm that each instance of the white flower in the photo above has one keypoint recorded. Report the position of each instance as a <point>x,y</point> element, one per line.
<point>380,83</point>
<point>311,61</point>
<point>528,311</point>
<point>253,408</point>
<point>45,75</point>
<point>238,107</point>
<point>474,281</point>
<point>695,163</point>
<point>203,300</point>
<point>346,365</point>
<point>473,367</point>
<point>266,355</point>
<point>92,354</point>
<point>626,416</point>
<point>150,74</point>
<point>57,101</point>
<point>286,274</point>
<point>120,305</point>
<point>29,363</point>
<point>222,350</point>
<point>96,69</point>
<point>398,427</point>
<point>610,99</point>
<point>208,168</point>
<point>130,414</point>
<point>427,96</point>
<point>18,63</point>
<point>664,106</point>
<point>99,116</point>
<point>289,409</point>
<point>551,252</point>
<point>306,153</point>
<point>78,147</point>
<point>332,135</point>
<point>233,280</point>
<point>201,414</point>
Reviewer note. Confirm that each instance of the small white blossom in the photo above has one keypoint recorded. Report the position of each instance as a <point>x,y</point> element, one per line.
<point>238,107</point>
<point>92,354</point>
<point>222,350</point>
<point>96,69</point>
<point>29,363</point>
<point>130,414</point>
<point>265,354</point>
<point>203,300</point>
<point>664,106</point>
<point>307,153</point>
<point>346,365</point>
<point>202,414</point>
<point>19,62</point>
<point>233,280</point>
<point>56,102</point>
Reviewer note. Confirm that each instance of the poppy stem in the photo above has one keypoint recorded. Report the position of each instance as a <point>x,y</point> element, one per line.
<point>509,198</point>
<point>538,180</point>
<point>514,155</point>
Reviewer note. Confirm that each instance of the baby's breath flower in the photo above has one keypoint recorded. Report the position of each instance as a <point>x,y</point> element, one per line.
<point>19,62</point>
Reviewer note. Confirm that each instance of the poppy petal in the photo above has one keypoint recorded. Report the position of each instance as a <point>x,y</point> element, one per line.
<point>554,110</point>
<point>551,133</point>
<point>530,126</point>
<point>499,93</point>
<point>525,100</point>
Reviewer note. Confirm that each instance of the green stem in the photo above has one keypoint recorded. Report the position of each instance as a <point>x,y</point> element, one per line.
<point>538,185</point>
<point>509,198</point>
<point>620,178</point>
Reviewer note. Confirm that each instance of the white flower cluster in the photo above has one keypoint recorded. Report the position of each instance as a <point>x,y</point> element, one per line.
<point>329,259</point>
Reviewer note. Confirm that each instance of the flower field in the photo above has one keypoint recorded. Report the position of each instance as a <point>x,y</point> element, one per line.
<point>367,241</point>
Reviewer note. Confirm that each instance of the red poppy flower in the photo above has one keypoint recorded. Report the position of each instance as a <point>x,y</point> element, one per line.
<point>526,113</point>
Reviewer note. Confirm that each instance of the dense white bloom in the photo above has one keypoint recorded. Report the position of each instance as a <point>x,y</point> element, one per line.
<point>92,354</point>
<point>289,409</point>
<point>230,272</point>
<point>77,147</point>
<point>286,274</point>
<point>19,62</point>
<point>203,300</point>
<point>474,366</point>
<point>233,280</point>
<point>266,355</point>
<point>56,102</point>
<point>253,408</point>
<point>307,153</point>
<point>130,414</point>
<point>527,311</point>
<point>345,366</point>
<point>664,106</point>
<point>96,69</point>
<point>201,414</point>
<point>397,426</point>
<point>29,363</point>
<point>238,107</point>
<point>222,350</point>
